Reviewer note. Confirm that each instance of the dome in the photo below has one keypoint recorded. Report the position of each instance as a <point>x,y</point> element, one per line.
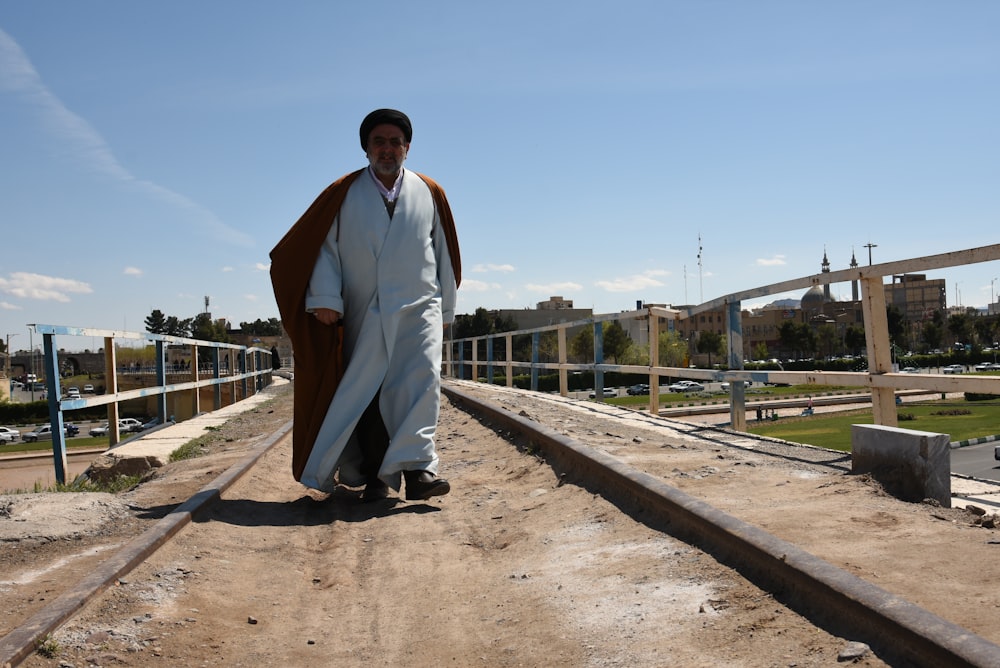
<point>813,298</point>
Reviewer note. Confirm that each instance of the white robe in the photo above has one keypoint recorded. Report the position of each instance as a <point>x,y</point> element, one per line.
<point>392,280</point>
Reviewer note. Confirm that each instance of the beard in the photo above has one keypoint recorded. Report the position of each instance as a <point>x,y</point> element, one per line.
<point>386,165</point>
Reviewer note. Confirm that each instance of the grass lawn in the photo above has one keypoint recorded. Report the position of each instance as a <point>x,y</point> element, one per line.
<point>961,420</point>
<point>46,446</point>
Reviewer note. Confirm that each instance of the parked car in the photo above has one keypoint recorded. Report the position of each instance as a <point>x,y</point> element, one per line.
<point>125,426</point>
<point>44,433</point>
<point>8,435</point>
<point>985,366</point>
<point>129,426</point>
<point>606,392</point>
<point>953,368</point>
<point>638,389</point>
<point>686,386</point>
<point>102,430</point>
<point>73,393</point>
<point>38,434</point>
<point>909,369</point>
<point>88,389</point>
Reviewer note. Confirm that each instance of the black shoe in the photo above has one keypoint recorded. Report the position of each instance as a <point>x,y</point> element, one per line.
<point>421,485</point>
<point>375,490</point>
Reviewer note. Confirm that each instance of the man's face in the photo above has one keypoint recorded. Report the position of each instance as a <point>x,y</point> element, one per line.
<point>387,149</point>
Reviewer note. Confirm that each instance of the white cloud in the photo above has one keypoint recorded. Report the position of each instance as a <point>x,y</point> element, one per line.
<point>261,266</point>
<point>645,280</point>
<point>472,285</point>
<point>776,261</point>
<point>132,271</point>
<point>251,298</point>
<point>7,306</point>
<point>86,144</point>
<point>486,268</point>
<point>549,289</point>
<point>43,288</point>
<point>227,269</point>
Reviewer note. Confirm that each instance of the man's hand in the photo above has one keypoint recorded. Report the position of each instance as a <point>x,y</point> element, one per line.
<point>326,316</point>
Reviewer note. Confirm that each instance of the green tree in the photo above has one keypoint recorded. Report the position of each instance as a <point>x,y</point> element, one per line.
<point>581,346</point>
<point>710,343</point>
<point>616,341</point>
<point>932,334</point>
<point>673,349</point>
<point>760,351</point>
<point>897,323</point>
<point>156,322</point>
<point>827,335</point>
<point>854,339</point>
<point>177,327</point>
<point>270,327</point>
<point>959,327</point>
<point>204,328</point>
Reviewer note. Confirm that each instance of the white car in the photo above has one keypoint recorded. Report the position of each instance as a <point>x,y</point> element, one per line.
<point>953,368</point>
<point>8,435</point>
<point>606,392</point>
<point>686,386</point>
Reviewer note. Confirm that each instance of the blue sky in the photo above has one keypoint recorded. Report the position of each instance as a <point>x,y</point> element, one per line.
<point>154,153</point>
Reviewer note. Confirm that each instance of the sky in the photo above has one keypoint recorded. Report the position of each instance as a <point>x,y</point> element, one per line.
<point>152,154</point>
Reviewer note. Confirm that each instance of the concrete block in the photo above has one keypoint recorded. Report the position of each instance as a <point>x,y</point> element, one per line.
<point>910,465</point>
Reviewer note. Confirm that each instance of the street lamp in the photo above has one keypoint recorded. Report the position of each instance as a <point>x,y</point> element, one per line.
<point>870,246</point>
<point>7,349</point>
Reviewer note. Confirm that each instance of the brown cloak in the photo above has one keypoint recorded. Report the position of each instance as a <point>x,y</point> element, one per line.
<point>318,348</point>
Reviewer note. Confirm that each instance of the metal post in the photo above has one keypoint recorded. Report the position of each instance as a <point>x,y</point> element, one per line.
<point>598,359</point>
<point>536,339</point>
<point>55,411</point>
<point>737,398</point>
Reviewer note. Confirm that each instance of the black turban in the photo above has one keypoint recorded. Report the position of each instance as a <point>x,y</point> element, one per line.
<point>385,116</point>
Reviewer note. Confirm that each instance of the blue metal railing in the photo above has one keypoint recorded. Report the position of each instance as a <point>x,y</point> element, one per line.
<point>249,365</point>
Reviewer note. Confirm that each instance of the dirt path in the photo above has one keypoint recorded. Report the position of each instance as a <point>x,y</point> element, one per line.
<point>511,569</point>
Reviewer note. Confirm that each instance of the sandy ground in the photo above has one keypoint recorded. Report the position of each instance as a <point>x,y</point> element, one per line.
<point>513,568</point>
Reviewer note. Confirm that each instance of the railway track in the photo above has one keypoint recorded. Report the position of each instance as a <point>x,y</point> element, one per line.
<point>848,605</point>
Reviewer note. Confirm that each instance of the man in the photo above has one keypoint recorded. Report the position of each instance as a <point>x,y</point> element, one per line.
<point>372,268</point>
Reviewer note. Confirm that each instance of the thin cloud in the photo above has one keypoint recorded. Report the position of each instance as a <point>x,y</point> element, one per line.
<point>645,280</point>
<point>487,268</point>
<point>776,261</point>
<point>7,306</point>
<point>472,285</point>
<point>18,76</point>
<point>251,298</point>
<point>227,269</point>
<point>132,271</point>
<point>260,266</point>
<point>553,288</point>
<point>42,288</point>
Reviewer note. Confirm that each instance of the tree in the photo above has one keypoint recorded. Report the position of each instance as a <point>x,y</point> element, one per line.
<point>176,327</point>
<point>959,327</point>
<point>710,342</point>
<point>205,329</point>
<point>156,322</point>
<point>854,339</point>
<point>932,333</point>
<point>581,346</point>
<point>271,327</point>
<point>827,335</point>
<point>616,341</point>
<point>673,349</point>
<point>897,323</point>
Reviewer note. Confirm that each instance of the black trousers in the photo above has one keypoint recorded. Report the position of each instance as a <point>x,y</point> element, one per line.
<point>373,438</point>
